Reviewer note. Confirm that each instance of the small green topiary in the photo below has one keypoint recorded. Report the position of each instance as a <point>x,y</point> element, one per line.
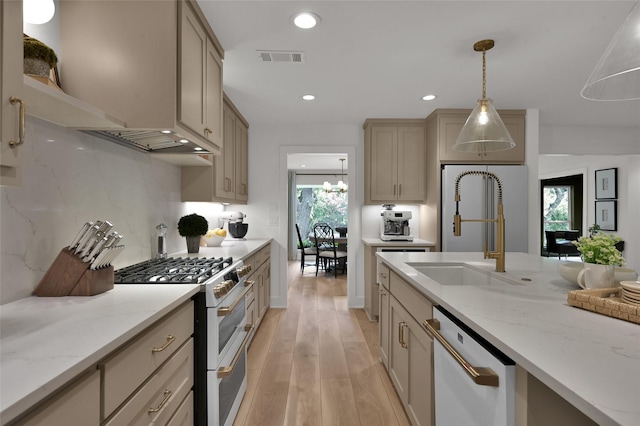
<point>192,225</point>
<point>38,50</point>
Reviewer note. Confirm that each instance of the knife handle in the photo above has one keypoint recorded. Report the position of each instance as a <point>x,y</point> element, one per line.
<point>78,237</point>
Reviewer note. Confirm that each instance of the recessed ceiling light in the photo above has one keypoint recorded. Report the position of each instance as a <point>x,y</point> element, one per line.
<point>197,148</point>
<point>308,97</point>
<point>306,20</point>
<point>184,140</point>
<point>428,97</point>
<point>303,166</point>
<point>166,132</point>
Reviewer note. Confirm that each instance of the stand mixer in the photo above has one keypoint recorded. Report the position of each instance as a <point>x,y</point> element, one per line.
<point>237,227</point>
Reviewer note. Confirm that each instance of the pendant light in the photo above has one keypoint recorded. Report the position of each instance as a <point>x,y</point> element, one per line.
<point>616,76</point>
<point>484,130</point>
<point>341,187</point>
<point>38,11</point>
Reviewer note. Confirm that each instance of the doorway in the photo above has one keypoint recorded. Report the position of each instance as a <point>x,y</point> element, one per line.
<point>562,201</point>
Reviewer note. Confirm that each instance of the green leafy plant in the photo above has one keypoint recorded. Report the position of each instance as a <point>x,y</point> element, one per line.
<point>594,229</point>
<point>192,225</point>
<point>600,249</point>
<point>38,50</point>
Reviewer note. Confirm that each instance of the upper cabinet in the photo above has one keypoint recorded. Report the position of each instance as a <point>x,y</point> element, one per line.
<point>395,157</point>
<point>157,65</point>
<point>228,180</point>
<point>444,126</point>
<point>11,123</point>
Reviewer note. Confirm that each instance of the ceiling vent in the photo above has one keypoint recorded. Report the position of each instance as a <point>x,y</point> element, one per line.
<point>280,56</point>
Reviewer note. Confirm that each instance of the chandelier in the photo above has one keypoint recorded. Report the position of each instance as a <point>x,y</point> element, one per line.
<point>341,187</point>
<point>484,130</point>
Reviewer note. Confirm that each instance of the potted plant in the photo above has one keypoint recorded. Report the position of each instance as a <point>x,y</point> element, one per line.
<point>600,257</point>
<point>193,227</point>
<point>39,58</point>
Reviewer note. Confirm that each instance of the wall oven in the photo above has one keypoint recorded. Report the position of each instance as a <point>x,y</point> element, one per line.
<point>221,331</point>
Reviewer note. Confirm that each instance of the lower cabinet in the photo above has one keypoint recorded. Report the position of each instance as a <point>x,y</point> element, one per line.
<point>258,299</point>
<point>79,404</point>
<point>409,349</point>
<point>384,301</point>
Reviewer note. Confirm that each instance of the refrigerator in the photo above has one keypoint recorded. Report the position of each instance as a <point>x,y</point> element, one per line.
<point>478,200</point>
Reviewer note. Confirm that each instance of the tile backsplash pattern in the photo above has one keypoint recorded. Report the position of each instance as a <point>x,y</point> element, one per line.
<point>68,178</point>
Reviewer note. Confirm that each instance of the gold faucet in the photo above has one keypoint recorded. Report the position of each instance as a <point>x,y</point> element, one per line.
<point>498,254</point>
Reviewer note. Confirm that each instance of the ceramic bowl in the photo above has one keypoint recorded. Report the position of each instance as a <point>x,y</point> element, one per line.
<point>213,240</point>
<point>569,271</point>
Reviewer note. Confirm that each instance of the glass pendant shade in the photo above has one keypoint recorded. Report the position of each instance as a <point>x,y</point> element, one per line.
<point>38,11</point>
<point>616,76</point>
<point>484,131</point>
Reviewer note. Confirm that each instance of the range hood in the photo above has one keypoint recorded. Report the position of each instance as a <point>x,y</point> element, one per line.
<point>152,141</point>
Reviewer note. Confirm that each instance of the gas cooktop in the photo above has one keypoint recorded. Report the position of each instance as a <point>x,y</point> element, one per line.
<point>172,271</point>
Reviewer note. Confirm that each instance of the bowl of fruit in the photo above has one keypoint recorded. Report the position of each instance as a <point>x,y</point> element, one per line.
<point>213,238</point>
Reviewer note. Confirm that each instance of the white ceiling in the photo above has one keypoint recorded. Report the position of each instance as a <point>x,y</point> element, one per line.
<point>376,59</point>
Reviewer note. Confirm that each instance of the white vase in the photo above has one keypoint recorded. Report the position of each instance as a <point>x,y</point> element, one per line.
<point>596,276</point>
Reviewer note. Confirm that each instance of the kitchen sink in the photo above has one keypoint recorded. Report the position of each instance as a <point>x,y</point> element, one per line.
<point>452,274</point>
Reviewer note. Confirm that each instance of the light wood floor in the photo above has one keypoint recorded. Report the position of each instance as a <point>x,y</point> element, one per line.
<point>316,362</point>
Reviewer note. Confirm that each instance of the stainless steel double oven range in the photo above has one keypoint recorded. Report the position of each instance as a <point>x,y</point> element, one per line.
<point>220,323</point>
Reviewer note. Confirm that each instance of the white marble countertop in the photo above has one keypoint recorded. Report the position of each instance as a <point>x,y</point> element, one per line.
<point>238,249</point>
<point>47,341</point>
<point>591,360</point>
<point>377,242</point>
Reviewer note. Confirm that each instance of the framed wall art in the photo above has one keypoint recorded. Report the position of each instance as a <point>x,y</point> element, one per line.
<point>606,214</point>
<point>606,184</point>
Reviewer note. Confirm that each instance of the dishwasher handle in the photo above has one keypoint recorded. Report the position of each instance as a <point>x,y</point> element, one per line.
<point>479,375</point>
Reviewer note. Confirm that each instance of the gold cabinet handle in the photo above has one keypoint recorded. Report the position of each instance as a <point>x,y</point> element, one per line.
<point>480,375</point>
<point>400,189</point>
<point>226,311</point>
<point>23,108</point>
<point>170,340</point>
<point>167,394</point>
<point>249,283</point>
<point>401,326</point>
<point>227,184</point>
<point>207,131</point>
<point>394,189</point>
<point>226,371</point>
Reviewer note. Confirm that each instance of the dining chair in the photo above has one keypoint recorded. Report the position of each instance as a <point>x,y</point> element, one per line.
<point>323,233</point>
<point>305,251</point>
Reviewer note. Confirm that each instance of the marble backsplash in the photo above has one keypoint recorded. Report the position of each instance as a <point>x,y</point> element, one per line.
<point>70,177</point>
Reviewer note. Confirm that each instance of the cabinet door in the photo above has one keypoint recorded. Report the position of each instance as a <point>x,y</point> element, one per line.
<point>384,329</point>
<point>213,95</point>
<point>10,85</point>
<point>225,163</point>
<point>193,48</point>
<point>242,161</point>
<point>384,164</point>
<point>410,364</point>
<point>450,125</point>
<point>411,164</point>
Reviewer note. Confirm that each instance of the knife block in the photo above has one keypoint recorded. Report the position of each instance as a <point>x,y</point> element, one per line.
<point>68,275</point>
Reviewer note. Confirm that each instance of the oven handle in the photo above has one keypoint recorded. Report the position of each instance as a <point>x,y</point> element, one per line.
<point>226,371</point>
<point>480,375</point>
<point>226,311</point>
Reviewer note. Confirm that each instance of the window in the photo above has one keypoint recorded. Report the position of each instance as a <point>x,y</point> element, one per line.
<point>315,205</point>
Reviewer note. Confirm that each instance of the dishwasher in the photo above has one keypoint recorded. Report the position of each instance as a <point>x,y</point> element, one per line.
<point>474,383</point>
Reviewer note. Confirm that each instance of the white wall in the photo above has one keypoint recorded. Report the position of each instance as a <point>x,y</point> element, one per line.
<point>69,178</point>
<point>628,192</point>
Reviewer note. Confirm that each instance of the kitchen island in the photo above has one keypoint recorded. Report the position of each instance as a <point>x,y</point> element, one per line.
<point>590,360</point>
<point>48,342</point>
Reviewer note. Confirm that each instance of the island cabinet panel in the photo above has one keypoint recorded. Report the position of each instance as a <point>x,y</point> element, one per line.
<point>227,180</point>
<point>449,123</point>
<point>78,404</point>
<point>410,357</point>
<point>395,156</point>
<point>259,298</point>
<point>384,334</point>
<point>10,87</point>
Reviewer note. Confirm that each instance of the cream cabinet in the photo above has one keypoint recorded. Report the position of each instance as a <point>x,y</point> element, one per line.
<point>228,178</point>
<point>258,299</point>
<point>410,357</point>
<point>11,125</point>
<point>77,404</point>
<point>155,64</point>
<point>444,126</point>
<point>395,157</point>
<point>151,375</point>
<point>384,308</point>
